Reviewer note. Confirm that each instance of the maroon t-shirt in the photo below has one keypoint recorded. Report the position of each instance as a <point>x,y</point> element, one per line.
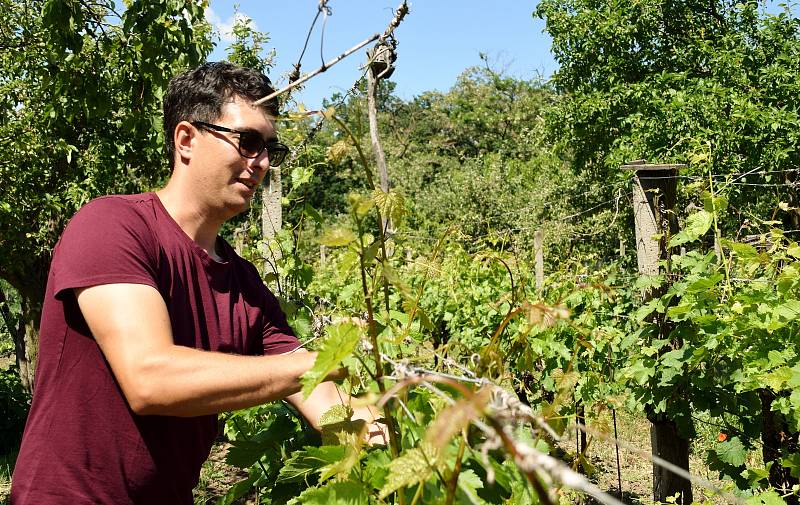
<point>82,443</point>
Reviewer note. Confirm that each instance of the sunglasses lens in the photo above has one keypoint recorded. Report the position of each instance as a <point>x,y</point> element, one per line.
<point>277,153</point>
<point>250,145</point>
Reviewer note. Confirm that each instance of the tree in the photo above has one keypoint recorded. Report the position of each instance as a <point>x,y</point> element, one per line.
<point>80,108</point>
<point>714,84</point>
<point>709,83</point>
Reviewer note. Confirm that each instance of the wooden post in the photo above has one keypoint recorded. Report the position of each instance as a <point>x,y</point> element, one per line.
<point>538,240</point>
<point>322,255</point>
<point>653,206</point>
<point>271,216</point>
<point>238,240</point>
<point>377,149</point>
<point>622,248</point>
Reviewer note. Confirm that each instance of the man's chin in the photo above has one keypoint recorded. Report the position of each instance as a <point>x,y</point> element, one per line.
<point>237,206</point>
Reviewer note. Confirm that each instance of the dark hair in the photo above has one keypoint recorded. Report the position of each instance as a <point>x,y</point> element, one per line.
<point>200,94</point>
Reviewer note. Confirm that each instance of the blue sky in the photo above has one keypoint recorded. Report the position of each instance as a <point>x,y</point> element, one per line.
<point>437,40</point>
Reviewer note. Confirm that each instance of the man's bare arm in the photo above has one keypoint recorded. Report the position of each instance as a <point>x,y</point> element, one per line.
<point>131,325</point>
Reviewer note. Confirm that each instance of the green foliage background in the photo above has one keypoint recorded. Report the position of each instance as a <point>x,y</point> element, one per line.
<point>475,171</point>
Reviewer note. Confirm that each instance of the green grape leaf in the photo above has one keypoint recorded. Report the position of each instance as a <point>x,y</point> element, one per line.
<point>788,310</point>
<point>313,213</point>
<point>768,498</point>
<point>391,204</point>
<point>360,204</point>
<point>744,251</point>
<point>412,467</point>
<point>352,442</point>
<point>337,237</point>
<point>245,453</point>
<point>697,225</point>
<point>468,485</point>
<point>336,414</point>
<point>705,283</point>
<point>340,343</point>
<point>646,309</point>
<point>309,460</point>
<point>334,493</point>
<point>376,468</point>
<point>731,452</point>
<point>777,378</point>
<point>716,203</point>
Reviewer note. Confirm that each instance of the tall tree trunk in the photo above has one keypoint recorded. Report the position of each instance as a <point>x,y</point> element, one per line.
<point>777,441</point>
<point>26,343</point>
<point>667,443</point>
<point>25,332</point>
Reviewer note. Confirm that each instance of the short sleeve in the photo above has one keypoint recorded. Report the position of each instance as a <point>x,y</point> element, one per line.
<point>108,241</point>
<point>278,337</point>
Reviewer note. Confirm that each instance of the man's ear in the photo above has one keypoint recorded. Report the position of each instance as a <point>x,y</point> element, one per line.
<point>183,137</point>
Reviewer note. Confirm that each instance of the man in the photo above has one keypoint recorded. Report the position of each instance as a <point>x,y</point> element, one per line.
<point>152,324</point>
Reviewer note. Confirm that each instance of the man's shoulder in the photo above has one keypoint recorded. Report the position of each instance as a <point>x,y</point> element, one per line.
<point>120,201</point>
<point>116,207</point>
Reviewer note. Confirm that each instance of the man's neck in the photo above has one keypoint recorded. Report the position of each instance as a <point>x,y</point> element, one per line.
<point>192,218</point>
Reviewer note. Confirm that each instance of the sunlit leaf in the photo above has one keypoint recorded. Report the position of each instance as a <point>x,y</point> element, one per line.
<point>338,345</point>
<point>697,225</point>
<point>337,237</point>
<point>413,466</point>
<point>731,452</point>
<point>334,493</point>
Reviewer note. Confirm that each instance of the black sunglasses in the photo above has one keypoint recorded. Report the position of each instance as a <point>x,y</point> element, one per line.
<point>252,144</point>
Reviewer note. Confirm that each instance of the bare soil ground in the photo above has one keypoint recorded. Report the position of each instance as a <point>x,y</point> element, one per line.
<point>635,469</point>
<point>217,477</point>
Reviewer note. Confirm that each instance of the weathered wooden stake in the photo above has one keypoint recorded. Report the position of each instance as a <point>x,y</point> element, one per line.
<point>322,255</point>
<point>621,248</point>
<point>377,149</point>
<point>538,241</point>
<point>271,216</point>
<point>653,203</point>
<point>238,240</point>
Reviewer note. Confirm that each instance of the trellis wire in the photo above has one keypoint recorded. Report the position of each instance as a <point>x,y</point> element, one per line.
<point>402,10</point>
<point>513,410</point>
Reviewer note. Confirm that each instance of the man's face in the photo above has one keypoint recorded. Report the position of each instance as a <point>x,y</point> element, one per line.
<point>226,179</point>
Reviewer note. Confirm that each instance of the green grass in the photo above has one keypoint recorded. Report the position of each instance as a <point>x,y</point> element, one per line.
<point>7,462</point>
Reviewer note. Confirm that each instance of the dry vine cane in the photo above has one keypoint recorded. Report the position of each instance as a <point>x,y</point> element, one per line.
<point>398,18</point>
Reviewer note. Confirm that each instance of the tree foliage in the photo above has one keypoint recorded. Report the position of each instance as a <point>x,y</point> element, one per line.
<point>80,108</point>
<point>708,83</point>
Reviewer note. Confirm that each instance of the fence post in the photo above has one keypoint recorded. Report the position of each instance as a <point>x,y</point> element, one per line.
<point>238,240</point>
<point>622,248</point>
<point>322,255</point>
<point>271,216</point>
<point>377,148</point>
<point>654,190</point>
<point>538,240</point>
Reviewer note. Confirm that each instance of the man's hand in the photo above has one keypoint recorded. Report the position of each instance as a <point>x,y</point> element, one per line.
<point>377,431</point>
<point>326,396</point>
